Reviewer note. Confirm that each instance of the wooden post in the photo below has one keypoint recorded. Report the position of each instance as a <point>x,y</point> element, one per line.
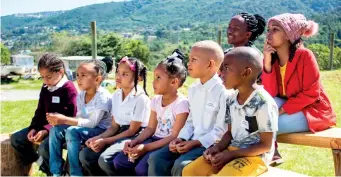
<point>331,50</point>
<point>219,40</point>
<point>337,161</point>
<point>11,164</point>
<point>94,40</point>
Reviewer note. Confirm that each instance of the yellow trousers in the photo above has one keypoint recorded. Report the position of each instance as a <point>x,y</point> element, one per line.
<point>245,166</point>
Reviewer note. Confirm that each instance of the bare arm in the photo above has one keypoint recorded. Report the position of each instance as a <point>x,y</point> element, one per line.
<point>179,123</point>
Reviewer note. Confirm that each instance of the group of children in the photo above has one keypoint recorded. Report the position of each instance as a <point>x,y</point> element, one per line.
<point>227,125</point>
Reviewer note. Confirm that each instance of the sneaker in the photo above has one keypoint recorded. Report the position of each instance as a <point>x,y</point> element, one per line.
<point>276,159</point>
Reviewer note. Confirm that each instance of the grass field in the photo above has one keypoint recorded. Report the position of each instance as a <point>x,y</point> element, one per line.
<point>306,160</point>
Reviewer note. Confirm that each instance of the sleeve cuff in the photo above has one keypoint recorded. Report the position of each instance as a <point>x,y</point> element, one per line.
<point>205,142</point>
<point>48,127</point>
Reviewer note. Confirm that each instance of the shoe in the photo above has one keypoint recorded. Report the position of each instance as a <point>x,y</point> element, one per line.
<point>276,159</point>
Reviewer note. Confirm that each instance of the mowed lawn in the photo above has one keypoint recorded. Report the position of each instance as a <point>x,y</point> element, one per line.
<point>306,160</point>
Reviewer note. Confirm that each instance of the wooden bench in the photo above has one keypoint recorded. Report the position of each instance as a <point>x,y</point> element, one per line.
<point>330,138</point>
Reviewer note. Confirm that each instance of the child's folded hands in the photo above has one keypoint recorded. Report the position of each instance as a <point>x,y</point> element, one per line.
<point>98,144</point>
<point>40,135</point>
<point>219,160</point>
<point>185,146</point>
<point>138,150</point>
<point>173,145</point>
<point>89,142</point>
<point>210,152</point>
<point>55,118</point>
<point>128,146</point>
<point>31,134</point>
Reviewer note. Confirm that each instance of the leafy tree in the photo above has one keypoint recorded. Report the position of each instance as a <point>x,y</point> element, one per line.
<point>321,53</point>
<point>109,44</point>
<point>5,54</point>
<point>136,48</point>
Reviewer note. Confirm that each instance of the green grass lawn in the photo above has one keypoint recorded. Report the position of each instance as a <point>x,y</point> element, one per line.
<point>20,84</point>
<point>306,160</point>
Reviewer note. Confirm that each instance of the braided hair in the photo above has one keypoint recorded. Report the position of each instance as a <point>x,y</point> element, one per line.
<point>175,67</point>
<point>51,62</point>
<point>100,67</point>
<point>255,24</point>
<point>140,70</point>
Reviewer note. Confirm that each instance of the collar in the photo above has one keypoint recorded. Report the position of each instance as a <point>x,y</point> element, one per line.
<point>212,82</point>
<point>257,89</point>
<point>132,93</point>
<point>58,85</point>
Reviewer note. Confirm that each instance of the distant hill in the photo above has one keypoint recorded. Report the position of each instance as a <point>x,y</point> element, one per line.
<point>144,15</point>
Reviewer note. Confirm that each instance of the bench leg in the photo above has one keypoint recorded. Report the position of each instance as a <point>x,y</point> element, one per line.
<point>337,161</point>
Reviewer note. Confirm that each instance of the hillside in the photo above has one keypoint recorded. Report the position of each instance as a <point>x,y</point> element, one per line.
<point>146,15</point>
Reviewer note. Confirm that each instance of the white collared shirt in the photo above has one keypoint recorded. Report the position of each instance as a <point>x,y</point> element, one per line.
<point>135,107</point>
<point>58,85</point>
<point>206,121</point>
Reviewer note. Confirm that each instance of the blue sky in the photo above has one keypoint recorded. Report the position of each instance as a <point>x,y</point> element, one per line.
<point>9,7</point>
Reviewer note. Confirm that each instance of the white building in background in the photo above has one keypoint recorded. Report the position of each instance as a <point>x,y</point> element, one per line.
<point>20,65</point>
<point>26,61</point>
<point>72,62</point>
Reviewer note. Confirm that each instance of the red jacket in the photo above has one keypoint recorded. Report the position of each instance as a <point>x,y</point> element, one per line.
<point>303,89</point>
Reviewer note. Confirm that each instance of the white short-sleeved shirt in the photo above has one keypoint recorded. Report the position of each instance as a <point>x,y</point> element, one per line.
<point>258,114</point>
<point>135,107</point>
<point>166,115</point>
<point>206,120</point>
<point>88,114</point>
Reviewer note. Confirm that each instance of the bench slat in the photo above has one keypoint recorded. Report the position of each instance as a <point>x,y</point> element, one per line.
<point>330,138</point>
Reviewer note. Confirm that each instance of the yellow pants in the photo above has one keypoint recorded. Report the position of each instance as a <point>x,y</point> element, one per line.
<point>245,166</point>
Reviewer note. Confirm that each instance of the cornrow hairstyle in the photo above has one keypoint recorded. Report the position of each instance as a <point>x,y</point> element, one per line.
<point>109,63</point>
<point>175,66</point>
<point>255,24</point>
<point>140,71</point>
<point>292,50</point>
<point>51,62</point>
<point>100,67</point>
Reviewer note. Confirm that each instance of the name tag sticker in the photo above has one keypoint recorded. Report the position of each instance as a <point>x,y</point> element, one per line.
<point>55,99</point>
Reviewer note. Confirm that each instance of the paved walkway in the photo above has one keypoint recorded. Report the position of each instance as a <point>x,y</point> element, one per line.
<point>19,95</point>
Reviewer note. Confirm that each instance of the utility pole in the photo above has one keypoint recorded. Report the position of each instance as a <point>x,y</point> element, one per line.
<point>219,40</point>
<point>331,45</point>
<point>94,40</point>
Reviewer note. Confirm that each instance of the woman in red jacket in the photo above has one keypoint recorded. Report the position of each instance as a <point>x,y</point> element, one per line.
<point>291,75</point>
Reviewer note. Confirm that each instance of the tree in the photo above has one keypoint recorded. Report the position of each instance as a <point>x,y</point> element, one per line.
<point>109,44</point>
<point>321,53</point>
<point>5,54</point>
<point>136,48</point>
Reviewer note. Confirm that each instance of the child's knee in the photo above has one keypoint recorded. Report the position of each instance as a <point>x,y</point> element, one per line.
<point>189,170</point>
<point>71,134</point>
<point>178,166</point>
<point>56,130</point>
<point>17,139</point>
<point>152,160</point>
<point>83,156</point>
<point>43,150</point>
<point>141,170</point>
<point>117,161</point>
<point>192,168</point>
<point>103,164</point>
